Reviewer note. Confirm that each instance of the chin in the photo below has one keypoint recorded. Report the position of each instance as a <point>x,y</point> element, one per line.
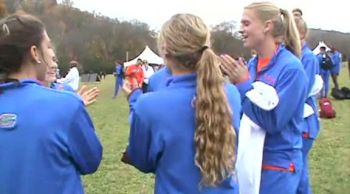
<point>246,44</point>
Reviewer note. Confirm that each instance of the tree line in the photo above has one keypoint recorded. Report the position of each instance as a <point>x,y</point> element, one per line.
<point>96,41</point>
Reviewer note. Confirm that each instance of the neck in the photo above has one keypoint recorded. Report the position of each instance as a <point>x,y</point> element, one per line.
<point>26,72</point>
<point>177,71</point>
<point>46,83</point>
<point>180,72</point>
<point>267,50</point>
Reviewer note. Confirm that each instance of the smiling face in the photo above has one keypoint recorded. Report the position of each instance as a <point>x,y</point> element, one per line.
<point>52,66</point>
<point>44,54</point>
<point>252,29</point>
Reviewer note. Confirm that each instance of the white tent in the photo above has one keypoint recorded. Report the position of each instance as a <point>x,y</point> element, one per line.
<point>147,54</point>
<point>320,44</point>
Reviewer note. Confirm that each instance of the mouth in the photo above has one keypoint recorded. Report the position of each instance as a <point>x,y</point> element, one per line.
<point>51,73</point>
<point>244,37</point>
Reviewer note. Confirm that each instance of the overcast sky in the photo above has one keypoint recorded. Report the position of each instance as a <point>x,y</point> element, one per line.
<point>334,15</point>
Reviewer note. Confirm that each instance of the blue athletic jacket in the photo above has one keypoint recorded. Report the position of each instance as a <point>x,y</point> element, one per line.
<point>284,123</point>
<point>162,136</point>
<point>47,140</point>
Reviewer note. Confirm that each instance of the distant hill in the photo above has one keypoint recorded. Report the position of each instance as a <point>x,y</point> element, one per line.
<point>97,41</point>
<point>339,40</point>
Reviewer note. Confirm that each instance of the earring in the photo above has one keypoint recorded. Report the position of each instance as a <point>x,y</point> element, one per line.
<point>39,62</point>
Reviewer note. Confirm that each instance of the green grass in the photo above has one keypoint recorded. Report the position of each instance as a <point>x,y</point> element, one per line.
<point>329,158</point>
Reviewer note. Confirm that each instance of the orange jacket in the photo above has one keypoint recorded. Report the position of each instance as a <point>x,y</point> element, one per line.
<point>135,75</point>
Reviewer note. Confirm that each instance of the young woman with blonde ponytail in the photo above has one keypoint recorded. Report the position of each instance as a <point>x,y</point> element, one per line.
<point>273,88</point>
<point>186,132</point>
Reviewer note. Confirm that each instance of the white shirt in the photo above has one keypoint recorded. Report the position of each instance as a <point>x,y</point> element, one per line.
<point>148,73</point>
<point>72,78</point>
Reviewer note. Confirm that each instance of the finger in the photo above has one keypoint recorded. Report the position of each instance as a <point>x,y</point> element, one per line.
<point>92,96</point>
<point>92,91</point>
<point>225,60</point>
<point>228,68</point>
<point>90,102</point>
<point>82,89</point>
<point>225,69</point>
<point>242,62</point>
<point>229,59</point>
<point>127,90</point>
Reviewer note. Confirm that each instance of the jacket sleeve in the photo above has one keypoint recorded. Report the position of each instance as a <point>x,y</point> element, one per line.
<point>84,145</point>
<point>310,64</point>
<point>291,91</point>
<point>145,145</point>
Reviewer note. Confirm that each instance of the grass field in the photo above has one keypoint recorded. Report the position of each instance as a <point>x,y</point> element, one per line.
<point>329,159</point>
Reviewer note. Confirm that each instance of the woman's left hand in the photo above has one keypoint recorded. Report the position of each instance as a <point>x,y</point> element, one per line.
<point>88,96</point>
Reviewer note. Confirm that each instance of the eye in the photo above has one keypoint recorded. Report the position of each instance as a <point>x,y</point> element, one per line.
<point>245,23</point>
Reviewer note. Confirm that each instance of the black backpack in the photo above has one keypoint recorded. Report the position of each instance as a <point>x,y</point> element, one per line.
<point>337,94</point>
<point>326,63</point>
<point>346,92</point>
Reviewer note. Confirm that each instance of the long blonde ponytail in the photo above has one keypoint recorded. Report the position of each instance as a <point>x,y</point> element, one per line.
<point>185,38</point>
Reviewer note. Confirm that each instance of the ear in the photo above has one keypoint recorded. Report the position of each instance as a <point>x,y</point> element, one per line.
<point>34,54</point>
<point>268,25</point>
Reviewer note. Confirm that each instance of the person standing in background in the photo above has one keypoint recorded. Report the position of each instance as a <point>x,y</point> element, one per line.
<point>119,74</point>
<point>325,65</point>
<point>336,59</point>
<point>148,72</point>
<point>311,121</point>
<point>134,74</point>
<point>72,78</point>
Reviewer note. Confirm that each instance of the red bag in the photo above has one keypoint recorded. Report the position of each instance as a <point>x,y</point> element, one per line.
<point>326,108</point>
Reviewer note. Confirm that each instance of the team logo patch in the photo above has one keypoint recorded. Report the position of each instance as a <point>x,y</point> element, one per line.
<point>8,120</point>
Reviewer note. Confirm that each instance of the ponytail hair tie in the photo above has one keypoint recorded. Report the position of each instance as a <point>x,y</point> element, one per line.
<point>203,49</point>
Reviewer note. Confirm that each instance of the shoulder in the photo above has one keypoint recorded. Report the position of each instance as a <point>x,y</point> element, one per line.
<point>288,60</point>
<point>308,55</point>
<point>231,90</point>
<point>61,87</point>
<point>147,104</point>
<point>53,96</point>
<point>164,72</point>
<point>233,95</point>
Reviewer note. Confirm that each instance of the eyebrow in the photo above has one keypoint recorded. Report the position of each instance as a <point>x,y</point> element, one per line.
<point>245,21</point>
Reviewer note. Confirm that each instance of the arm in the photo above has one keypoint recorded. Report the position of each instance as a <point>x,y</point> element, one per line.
<point>129,71</point>
<point>235,105</point>
<point>310,64</point>
<point>291,92</point>
<point>317,87</point>
<point>145,145</point>
<point>84,145</point>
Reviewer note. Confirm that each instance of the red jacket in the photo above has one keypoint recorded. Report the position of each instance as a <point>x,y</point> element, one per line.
<point>134,74</point>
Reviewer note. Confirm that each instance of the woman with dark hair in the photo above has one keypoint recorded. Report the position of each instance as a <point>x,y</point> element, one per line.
<point>47,139</point>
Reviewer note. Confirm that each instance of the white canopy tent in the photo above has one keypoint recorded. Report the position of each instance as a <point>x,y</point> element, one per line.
<point>320,44</point>
<point>146,54</point>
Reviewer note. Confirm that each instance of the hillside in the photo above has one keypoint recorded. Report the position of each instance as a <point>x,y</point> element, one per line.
<point>96,41</point>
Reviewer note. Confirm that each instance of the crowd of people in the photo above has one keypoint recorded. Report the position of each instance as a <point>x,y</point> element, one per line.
<point>205,123</point>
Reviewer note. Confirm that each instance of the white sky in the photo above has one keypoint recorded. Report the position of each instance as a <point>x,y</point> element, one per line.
<point>327,15</point>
